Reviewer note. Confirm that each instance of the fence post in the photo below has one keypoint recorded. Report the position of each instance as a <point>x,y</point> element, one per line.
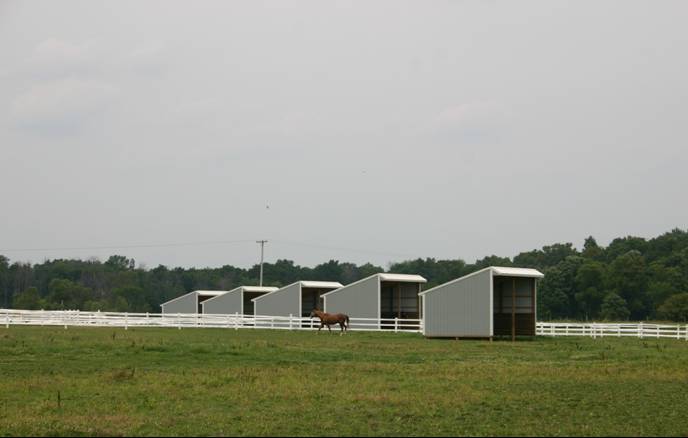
<point>7,319</point>
<point>179,321</point>
<point>236,320</point>
<point>126,320</point>
<point>396,324</point>
<point>640,330</point>
<point>291,316</point>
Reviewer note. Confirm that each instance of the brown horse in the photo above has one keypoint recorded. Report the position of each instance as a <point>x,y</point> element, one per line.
<point>327,319</point>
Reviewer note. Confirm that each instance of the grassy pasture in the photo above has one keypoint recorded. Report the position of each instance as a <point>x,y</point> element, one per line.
<point>226,382</point>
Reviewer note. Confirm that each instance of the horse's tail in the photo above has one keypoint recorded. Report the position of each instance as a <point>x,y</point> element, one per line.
<point>346,318</point>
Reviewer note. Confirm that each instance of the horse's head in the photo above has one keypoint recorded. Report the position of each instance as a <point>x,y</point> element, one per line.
<point>315,312</point>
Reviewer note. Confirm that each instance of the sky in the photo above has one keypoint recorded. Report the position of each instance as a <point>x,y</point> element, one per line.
<point>179,133</point>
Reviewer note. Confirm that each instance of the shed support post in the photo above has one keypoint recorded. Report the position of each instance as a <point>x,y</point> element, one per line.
<point>513,310</point>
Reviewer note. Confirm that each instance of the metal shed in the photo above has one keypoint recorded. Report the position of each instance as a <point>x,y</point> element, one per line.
<point>494,301</point>
<point>380,296</point>
<point>191,302</point>
<point>239,300</point>
<point>297,299</point>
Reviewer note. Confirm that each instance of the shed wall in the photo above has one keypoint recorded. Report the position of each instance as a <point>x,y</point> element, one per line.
<point>358,300</point>
<point>460,309</point>
<point>283,302</point>
<point>226,304</point>
<point>185,304</point>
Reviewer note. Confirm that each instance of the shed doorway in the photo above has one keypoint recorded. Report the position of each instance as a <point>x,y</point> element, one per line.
<point>514,306</point>
<point>312,299</point>
<point>399,300</point>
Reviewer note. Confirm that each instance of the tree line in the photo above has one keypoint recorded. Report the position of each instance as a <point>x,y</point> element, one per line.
<point>631,278</point>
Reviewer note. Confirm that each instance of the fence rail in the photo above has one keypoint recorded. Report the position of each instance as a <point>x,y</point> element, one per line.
<point>600,330</point>
<point>75,318</point>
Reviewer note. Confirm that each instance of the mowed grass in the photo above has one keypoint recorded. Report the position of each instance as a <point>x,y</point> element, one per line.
<point>246,382</point>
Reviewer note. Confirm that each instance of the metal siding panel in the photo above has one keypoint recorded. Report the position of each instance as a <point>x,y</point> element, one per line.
<point>359,300</point>
<point>185,304</point>
<point>460,309</point>
<point>227,304</point>
<point>283,302</point>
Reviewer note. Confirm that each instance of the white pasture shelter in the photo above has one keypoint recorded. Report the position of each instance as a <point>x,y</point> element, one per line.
<point>191,302</point>
<point>494,301</point>
<point>380,296</point>
<point>297,299</point>
<point>236,301</point>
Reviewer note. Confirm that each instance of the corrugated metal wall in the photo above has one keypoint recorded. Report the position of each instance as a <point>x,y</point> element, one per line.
<point>226,304</point>
<point>282,302</point>
<point>185,304</point>
<point>358,300</point>
<point>460,309</point>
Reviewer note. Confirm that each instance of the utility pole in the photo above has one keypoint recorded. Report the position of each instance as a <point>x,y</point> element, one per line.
<point>262,252</point>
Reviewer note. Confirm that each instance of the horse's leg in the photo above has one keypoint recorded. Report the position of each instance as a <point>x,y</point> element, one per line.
<point>321,326</point>
<point>329,328</point>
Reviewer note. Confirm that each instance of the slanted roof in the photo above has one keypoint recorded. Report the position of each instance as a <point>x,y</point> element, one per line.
<point>321,284</point>
<point>517,272</point>
<point>496,270</point>
<point>402,278</point>
<point>209,293</point>
<point>198,293</point>
<point>264,289</point>
<point>307,285</point>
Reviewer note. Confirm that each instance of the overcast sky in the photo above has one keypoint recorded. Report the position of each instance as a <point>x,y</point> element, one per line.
<point>359,131</point>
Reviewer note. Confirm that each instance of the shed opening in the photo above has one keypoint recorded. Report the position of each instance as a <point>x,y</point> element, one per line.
<point>311,298</point>
<point>248,305</point>
<point>399,300</point>
<point>514,306</point>
<point>200,298</point>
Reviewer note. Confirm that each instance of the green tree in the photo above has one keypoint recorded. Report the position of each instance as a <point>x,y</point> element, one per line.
<point>590,290</point>
<point>28,300</point>
<point>65,294</point>
<point>591,250</point>
<point>614,308</point>
<point>675,308</point>
<point>628,278</point>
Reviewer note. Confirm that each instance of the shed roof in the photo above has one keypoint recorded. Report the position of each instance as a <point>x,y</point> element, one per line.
<point>496,270</point>
<point>401,278</point>
<point>245,289</point>
<point>307,285</point>
<point>517,272</point>
<point>200,293</point>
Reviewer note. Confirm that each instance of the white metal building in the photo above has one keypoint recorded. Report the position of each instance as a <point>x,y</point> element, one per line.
<point>239,300</point>
<point>191,302</point>
<point>297,299</point>
<point>494,301</point>
<point>380,296</point>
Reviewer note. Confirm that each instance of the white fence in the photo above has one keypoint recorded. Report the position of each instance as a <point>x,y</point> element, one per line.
<point>75,318</point>
<point>600,330</point>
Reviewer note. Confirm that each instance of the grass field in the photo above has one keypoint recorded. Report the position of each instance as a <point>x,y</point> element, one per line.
<point>226,382</point>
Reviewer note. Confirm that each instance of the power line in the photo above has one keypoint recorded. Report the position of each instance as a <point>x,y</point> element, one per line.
<point>349,250</point>
<point>152,245</point>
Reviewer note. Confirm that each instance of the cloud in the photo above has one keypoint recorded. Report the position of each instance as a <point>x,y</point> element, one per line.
<point>61,105</point>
